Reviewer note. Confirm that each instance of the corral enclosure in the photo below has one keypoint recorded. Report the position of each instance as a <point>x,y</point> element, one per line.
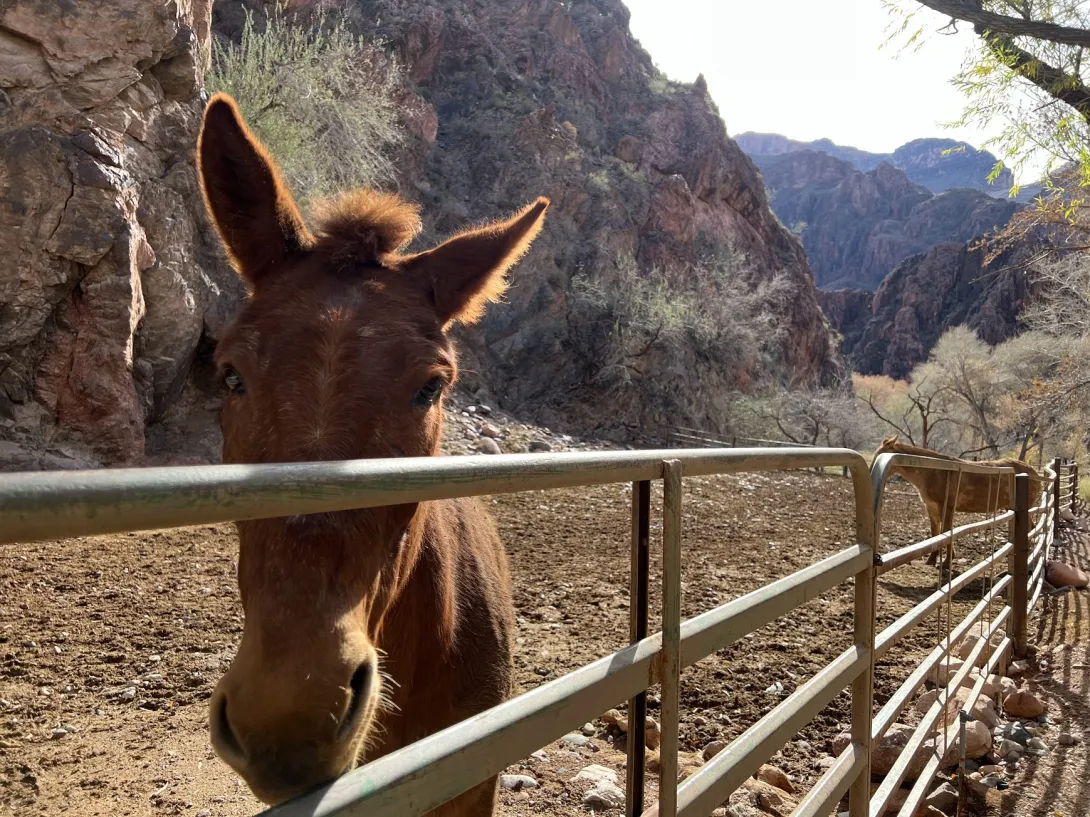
<point>122,637</point>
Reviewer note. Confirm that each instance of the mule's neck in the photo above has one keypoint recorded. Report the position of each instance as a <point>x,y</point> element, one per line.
<point>916,451</point>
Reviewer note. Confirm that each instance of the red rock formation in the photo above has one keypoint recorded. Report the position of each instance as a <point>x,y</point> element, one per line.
<point>539,97</point>
<point>891,331</point>
<point>111,277</point>
<point>856,227</point>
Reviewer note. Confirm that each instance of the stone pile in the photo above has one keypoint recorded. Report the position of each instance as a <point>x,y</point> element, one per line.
<point>475,428</point>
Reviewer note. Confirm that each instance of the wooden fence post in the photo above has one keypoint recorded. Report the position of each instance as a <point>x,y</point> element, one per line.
<point>1020,566</point>
<point>1057,469</point>
<point>1074,486</point>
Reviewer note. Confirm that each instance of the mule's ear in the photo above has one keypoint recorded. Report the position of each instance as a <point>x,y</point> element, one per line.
<point>252,209</point>
<point>467,271</point>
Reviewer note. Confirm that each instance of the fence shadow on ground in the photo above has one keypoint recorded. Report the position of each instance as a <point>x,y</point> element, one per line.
<point>1059,783</point>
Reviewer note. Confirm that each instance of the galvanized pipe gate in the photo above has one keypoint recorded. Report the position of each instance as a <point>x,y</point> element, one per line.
<point>422,776</point>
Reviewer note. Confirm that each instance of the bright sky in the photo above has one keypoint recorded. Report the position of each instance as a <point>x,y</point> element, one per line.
<point>810,68</point>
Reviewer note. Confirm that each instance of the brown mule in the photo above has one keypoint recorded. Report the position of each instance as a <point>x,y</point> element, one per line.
<point>342,352</point>
<point>976,493</point>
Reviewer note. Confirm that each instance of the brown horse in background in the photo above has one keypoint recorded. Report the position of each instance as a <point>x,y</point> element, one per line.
<point>976,493</point>
<point>342,352</point>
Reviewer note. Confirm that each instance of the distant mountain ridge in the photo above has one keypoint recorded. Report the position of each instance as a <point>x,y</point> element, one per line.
<point>856,226</point>
<point>937,164</point>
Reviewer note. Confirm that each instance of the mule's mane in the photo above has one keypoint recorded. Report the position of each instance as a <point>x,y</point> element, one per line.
<point>895,445</point>
<point>365,225</point>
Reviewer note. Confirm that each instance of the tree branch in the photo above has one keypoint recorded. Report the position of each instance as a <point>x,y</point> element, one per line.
<point>971,11</point>
<point>905,430</point>
<point>1052,80</point>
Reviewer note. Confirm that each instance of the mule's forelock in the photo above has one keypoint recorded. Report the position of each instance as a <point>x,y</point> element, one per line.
<point>365,225</point>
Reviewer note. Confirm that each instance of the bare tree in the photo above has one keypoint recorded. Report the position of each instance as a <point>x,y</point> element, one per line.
<point>915,411</point>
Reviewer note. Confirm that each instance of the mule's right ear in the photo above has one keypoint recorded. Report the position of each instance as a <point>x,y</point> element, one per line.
<point>246,198</point>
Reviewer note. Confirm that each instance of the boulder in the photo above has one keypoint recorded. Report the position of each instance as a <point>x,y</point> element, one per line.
<point>994,685</point>
<point>1061,574</point>
<point>983,709</point>
<point>775,776</point>
<point>944,798</point>
<point>595,774</point>
<point>970,642</point>
<point>714,748</point>
<point>603,797</point>
<point>755,798</point>
<point>1024,704</point>
<point>486,445</point>
<point>947,667</point>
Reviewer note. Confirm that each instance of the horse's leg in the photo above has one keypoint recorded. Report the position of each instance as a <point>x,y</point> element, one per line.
<point>948,556</point>
<point>480,801</point>
<point>936,529</point>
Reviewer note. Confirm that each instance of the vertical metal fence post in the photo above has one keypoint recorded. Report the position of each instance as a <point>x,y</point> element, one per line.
<point>1074,486</point>
<point>1020,566</point>
<point>637,630</point>
<point>671,636</point>
<point>1057,469</point>
<point>866,588</point>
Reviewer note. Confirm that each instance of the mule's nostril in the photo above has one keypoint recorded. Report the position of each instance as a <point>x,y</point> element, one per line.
<point>224,736</point>
<point>359,690</point>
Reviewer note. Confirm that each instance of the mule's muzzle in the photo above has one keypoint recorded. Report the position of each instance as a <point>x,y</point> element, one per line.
<point>285,742</point>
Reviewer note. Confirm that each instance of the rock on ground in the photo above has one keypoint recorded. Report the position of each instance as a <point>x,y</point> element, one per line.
<point>1061,574</point>
<point>755,798</point>
<point>604,795</point>
<point>1024,704</point>
<point>775,776</point>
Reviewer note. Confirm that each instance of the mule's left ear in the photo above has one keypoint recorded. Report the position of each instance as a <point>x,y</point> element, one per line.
<point>467,271</point>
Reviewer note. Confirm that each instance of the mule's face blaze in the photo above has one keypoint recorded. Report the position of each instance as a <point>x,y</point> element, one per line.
<point>340,353</point>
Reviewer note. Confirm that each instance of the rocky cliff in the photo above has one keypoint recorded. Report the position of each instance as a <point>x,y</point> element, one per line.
<point>541,97</point>
<point>115,289</point>
<point>857,226</point>
<point>937,164</point>
<point>892,330</point>
<point>111,276</point>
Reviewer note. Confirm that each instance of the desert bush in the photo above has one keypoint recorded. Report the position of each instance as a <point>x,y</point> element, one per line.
<point>322,99</point>
<point>644,310</point>
<point>826,417</point>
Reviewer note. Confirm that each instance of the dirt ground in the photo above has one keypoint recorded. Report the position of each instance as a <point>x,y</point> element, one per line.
<point>1058,784</point>
<point>110,646</point>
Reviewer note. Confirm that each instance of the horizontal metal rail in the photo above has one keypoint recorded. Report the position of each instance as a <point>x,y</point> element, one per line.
<point>828,791</point>
<point>1038,573</point>
<point>419,773</point>
<point>1035,594</point>
<point>909,553</point>
<point>920,788</point>
<point>40,506</point>
<point>899,628</point>
<point>713,783</point>
<point>880,799</point>
<point>718,628</point>
<point>893,708</point>
<point>1038,552</point>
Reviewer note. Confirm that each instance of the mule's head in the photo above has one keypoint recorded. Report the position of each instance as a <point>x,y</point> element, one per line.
<point>889,445</point>
<point>341,352</point>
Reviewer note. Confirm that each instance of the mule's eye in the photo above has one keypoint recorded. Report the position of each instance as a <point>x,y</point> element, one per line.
<point>234,382</point>
<point>429,393</point>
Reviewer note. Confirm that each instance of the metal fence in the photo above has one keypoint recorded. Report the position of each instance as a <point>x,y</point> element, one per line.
<point>426,774</point>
